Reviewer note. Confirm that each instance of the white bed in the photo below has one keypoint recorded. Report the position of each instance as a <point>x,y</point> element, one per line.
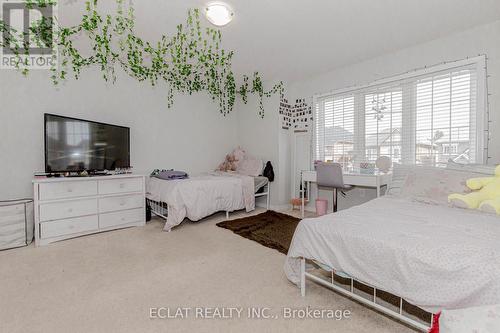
<point>203,195</point>
<point>433,256</point>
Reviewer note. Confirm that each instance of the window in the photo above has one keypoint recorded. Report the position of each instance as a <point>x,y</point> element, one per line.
<point>383,123</point>
<point>427,117</point>
<point>443,122</point>
<point>334,133</point>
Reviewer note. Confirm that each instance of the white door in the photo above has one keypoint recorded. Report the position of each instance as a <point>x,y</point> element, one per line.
<point>301,158</point>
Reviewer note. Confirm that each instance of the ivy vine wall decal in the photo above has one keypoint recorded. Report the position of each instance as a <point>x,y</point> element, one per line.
<point>192,60</point>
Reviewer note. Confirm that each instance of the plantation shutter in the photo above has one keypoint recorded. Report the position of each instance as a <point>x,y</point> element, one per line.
<point>383,124</point>
<point>334,130</point>
<point>428,118</point>
<point>446,118</point>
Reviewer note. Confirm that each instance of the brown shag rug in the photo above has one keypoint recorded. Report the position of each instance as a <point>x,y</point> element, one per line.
<point>275,230</point>
<point>271,229</point>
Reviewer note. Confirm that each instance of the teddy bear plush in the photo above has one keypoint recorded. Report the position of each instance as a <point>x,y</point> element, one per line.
<point>229,164</point>
<point>486,196</point>
<point>232,160</point>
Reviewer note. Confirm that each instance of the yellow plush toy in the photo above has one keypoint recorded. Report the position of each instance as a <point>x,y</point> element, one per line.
<point>486,197</point>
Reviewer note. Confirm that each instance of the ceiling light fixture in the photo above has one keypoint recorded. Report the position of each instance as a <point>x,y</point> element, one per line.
<point>218,13</point>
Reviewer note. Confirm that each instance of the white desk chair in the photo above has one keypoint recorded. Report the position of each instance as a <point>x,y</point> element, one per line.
<point>329,175</point>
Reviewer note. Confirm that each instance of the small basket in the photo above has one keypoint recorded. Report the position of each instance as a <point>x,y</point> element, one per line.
<point>16,223</point>
<point>321,206</point>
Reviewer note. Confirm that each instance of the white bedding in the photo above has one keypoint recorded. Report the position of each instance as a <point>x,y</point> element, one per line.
<point>435,257</point>
<point>201,196</point>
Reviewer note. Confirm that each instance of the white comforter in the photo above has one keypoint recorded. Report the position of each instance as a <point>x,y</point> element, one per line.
<point>435,257</point>
<point>201,196</point>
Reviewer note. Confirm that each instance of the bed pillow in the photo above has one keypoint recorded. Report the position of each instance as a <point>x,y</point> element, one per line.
<point>433,185</point>
<point>250,167</point>
<point>487,170</point>
<point>399,174</point>
<point>239,155</point>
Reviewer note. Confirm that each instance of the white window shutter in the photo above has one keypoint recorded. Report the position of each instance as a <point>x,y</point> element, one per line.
<point>428,118</point>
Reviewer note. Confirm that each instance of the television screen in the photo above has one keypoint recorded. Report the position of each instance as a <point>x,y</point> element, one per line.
<point>78,145</point>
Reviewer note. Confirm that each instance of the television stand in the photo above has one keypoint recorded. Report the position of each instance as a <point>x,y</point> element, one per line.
<point>72,207</point>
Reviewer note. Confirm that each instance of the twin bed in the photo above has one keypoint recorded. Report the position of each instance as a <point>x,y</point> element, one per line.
<point>409,243</point>
<point>203,195</point>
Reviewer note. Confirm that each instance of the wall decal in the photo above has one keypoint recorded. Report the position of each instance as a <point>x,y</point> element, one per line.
<point>192,60</point>
<point>297,117</point>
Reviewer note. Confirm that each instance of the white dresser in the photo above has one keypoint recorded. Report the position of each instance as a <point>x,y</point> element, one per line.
<point>72,207</point>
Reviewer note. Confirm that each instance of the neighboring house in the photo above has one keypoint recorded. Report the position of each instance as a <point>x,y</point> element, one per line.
<point>426,152</point>
<point>457,150</point>
<point>441,149</point>
<point>339,145</point>
<point>385,143</point>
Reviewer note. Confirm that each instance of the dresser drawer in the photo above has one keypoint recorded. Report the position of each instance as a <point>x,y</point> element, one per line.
<point>109,220</point>
<point>113,186</point>
<point>69,226</point>
<point>113,204</point>
<point>63,190</point>
<point>67,209</point>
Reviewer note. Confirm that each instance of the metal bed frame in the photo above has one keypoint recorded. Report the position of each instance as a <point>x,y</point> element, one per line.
<point>160,209</point>
<point>368,302</point>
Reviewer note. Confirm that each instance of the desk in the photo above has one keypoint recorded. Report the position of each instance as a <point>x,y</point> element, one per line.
<point>376,180</point>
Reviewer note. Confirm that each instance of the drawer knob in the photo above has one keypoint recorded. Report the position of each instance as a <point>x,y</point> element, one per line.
<point>70,190</point>
<point>122,185</point>
<point>70,210</point>
<point>122,203</point>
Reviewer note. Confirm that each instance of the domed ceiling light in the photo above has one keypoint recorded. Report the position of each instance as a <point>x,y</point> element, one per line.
<point>218,13</point>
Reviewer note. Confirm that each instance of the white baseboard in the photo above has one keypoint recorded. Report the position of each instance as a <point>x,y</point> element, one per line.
<point>282,207</point>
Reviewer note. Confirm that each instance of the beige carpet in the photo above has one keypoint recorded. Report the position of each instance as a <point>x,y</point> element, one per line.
<point>109,282</point>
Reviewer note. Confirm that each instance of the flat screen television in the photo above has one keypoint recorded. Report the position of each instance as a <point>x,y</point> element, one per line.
<point>75,145</point>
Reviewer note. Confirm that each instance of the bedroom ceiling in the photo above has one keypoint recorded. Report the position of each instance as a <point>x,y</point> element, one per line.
<point>291,39</point>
